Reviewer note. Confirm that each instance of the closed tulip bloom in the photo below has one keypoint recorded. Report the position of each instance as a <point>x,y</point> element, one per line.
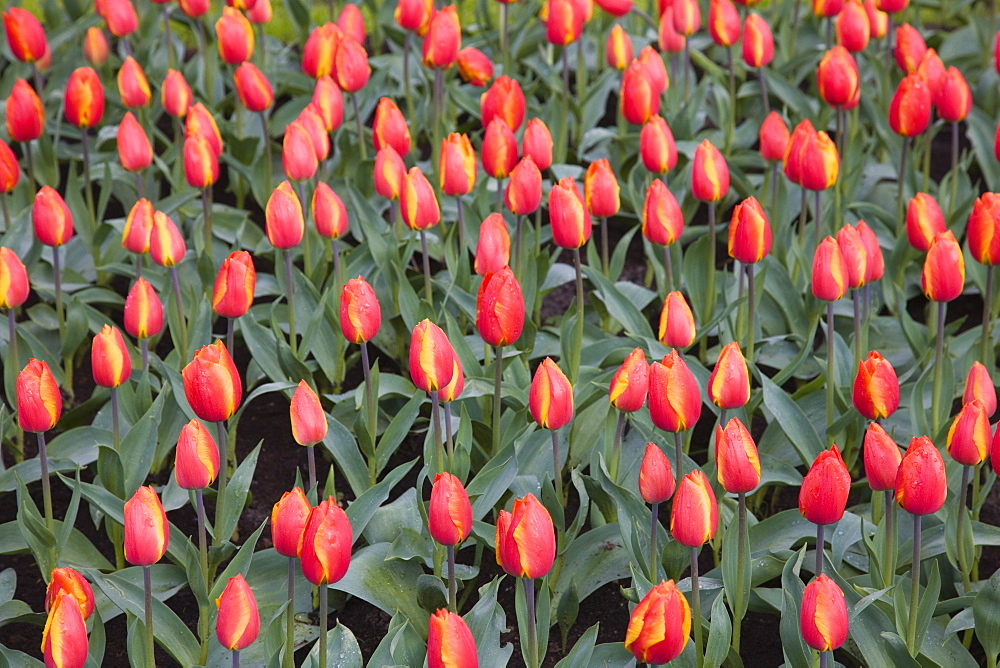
<point>758,42</point>
<point>442,39</point>
<point>311,119</point>
<point>350,65</point>
<point>570,219</point>
<point>563,22</point>
<point>829,273</point>
<point>457,166</point>
<point>261,12</point>
<point>979,386</point>
<point>618,48</point>
<point>474,66</point>
<point>878,21</point>
<point>143,311</point>
<point>943,275</point>
<point>653,62</point>
<point>500,308</point>
<point>550,397</point>
<point>983,230</point>
<point>827,8</point>
<point>199,122</point>
<point>674,396</point>
<point>909,48</point>
<point>418,202</point>
<point>25,35</point>
<point>235,36</point>
<point>389,173</point>
<point>318,52</point>
<point>146,532</point>
<point>792,161</point>
<point>629,385</point>
<point>996,143</point>
<point>882,457</point>
<point>449,514</point>
<point>252,87</point>
<point>109,358</point>
<point>10,170</point>
<point>431,355</point>
<point>820,163</point>
<point>723,22</point>
<point>166,245</point>
<point>924,221</point>
<point>525,539</point>
<point>524,188</point>
<point>659,626</point>
<point>995,450</point>
<point>749,232</point>
<point>351,22</point>
<point>201,163</point>
<point>329,102</point>
<point>66,581</point>
<point>638,98</point>
<point>504,99</point>
<point>823,495</point>
<point>617,8</point>
<point>329,212</point>
<point>238,622</point>
<point>360,313</point>
<point>969,434</point>
<point>687,17</point>
<point>852,248</point>
<point>138,227</point>
<point>288,522</point>
<point>196,462</point>
<point>64,638</point>
<point>499,152</point>
<point>453,390</point>
<point>133,87</point>
<point>134,150</point>
<point>676,328</point>
<point>283,215</point>
<point>537,143</point>
<point>449,642</point>
<point>838,77</point>
<point>232,294</point>
<point>875,262</point>
<point>493,247</point>
<point>212,384</point>
<point>892,6</point>
<point>14,285</point>
<point>39,404</point>
<point>910,109</point>
<point>51,218</point>
<point>656,476</point>
<point>876,388</point>
<point>84,98</point>
<point>695,513</point>
<point>389,127</point>
<point>656,145</point>
<point>729,383</point>
<point>662,219</point>
<point>309,425</point>
<point>325,549</point>
<point>921,484</point>
<point>853,28</point>
<point>194,8</point>
<point>120,17</point>
<point>298,155</point>
<point>774,138</point>
<point>736,458</point>
<point>709,173</point>
<point>25,116</point>
<point>953,98</point>
<point>669,40</point>
<point>600,189</point>
<point>823,618</point>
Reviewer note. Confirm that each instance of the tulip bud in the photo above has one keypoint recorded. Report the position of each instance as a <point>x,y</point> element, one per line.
<point>639,99</point>
<point>984,229</point>
<point>493,247</point>
<point>212,385</point>
<point>312,121</point>
<point>669,40</point>
<point>474,66</point>
<point>84,98</point>
<point>943,276</point>
<point>499,152</point>
<point>39,404</point>
<point>570,219</point>
<point>457,165</point>
<point>64,638</point>
<point>736,458</point>
<point>308,419</point>
<point>996,143</point>
<point>563,22</point>
<point>329,102</point>
<point>288,522</point>
<point>201,163</point>
<point>120,17</point>
<point>823,618</point>
<point>853,29</point>
<point>198,122</point>
<point>235,36</point>
<point>600,188</point>
<point>618,48</point>
<point>351,22</point>
<point>418,202</point>
<point>910,109</point>
<point>524,188</point>
<point>431,354</point>
<point>146,532</point>
<point>51,217</point>
<point>874,262</point>
<point>193,8</point>
<point>630,383</point>
<point>827,9</point>
<point>166,245</point>
<point>674,396</point>
<point>25,116</point>
<point>921,484</point>
<point>238,622</point>
<point>656,477</point>
<point>953,98</point>
<point>773,137</point>
<point>25,35</point>
<point>500,308</point>
<point>969,434</point>
<point>252,87</point>
<point>442,39</point>
<point>829,273</point>
<point>232,295</point>
<point>758,42</point>
<point>450,642</point>
<point>855,256</point>
<point>505,100</point>
<point>892,6</point>
<point>325,548</point>
<point>261,12</point>
<point>876,389</point>
<point>319,49</point>
<point>687,17</point>
<point>66,581</point>
<point>360,313</point>
<point>659,626</point>
<point>979,386</point>
<point>390,172</point>
<point>676,328</point>
<point>909,49</point>
<point>133,87</point>
<point>449,514</point>
<point>723,22</point>
<point>709,173</point>
<point>389,127</point>
<point>134,150</point>
<point>792,160</point>
<point>196,462</point>
<point>823,495</point>
<point>656,146</point>
<point>143,311</point>
<point>882,458</point>
<point>110,362</point>
<point>729,384</point>
<point>662,219</point>
<point>10,170</point>
<point>820,163</point>
<point>749,232</point>
<point>995,450</point>
<point>838,77</point>
<point>878,20</point>
<point>695,513</point>
<point>924,221</point>
<point>350,65</point>
<point>526,539</point>
<point>551,396</point>
<point>283,217</point>
<point>298,155</point>
<point>14,285</point>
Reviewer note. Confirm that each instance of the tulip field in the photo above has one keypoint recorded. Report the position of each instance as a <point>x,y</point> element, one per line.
<point>565,333</point>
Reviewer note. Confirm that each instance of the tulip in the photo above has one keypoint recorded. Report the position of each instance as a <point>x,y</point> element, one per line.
<point>418,202</point>
<point>838,77</point>
<point>450,642</point>
<point>109,358</point>
<point>723,22</point>
<point>193,8</point>
<point>68,582</point>
<point>829,273</point>
<point>442,39</point>
<point>600,189</point>
<point>882,457</point>
<point>524,189</point>
<point>878,20</point>
<point>64,638</point>
<point>166,245</point>
<point>792,160</point>
<point>694,518</point>
<point>389,127</point>
<point>630,383</point>
<point>924,221</point>
<point>253,88</point>
<point>910,48</point>
<point>238,622</point>
<point>120,17</point>
<point>499,150</point>
<point>308,419</point>
<point>430,357</point>
<point>10,174</point>
<point>25,35</point>
<point>360,313</point>
<point>823,618</point>
<point>758,43</point>
<point>618,48</point>
<point>449,520</point>
<point>729,383</point>
<point>910,109</point>
<point>676,328</point>
<point>298,155</point>
<point>261,12</point>
<point>674,397</point>
<point>285,225</point>
<point>953,98</point>
<point>200,123</point>
<point>350,65</point>
<point>51,218</point>
<point>874,262</point>
<point>325,547</point>
<point>550,397</point>
<point>39,404</point>
<point>736,458</point>
<point>662,221</point>
<point>969,435</point>
<point>500,309</point>
<point>474,66</point>
<point>570,219</point>
<point>84,99</point>
<point>329,102</point>
<point>820,163</point>
<point>389,175</point>
<point>212,384</point>
<point>979,386</point>
<point>525,539</point>
<point>25,115</point>
<point>134,150</point>
<point>14,286</point>
<point>504,100</point>
<point>983,232</point>
<point>563,22</point>
<point>876,389</point>
<point>853,26</point>
<point>493,247</point>
<point>288,522</point>
<point>201,163</point>
<point>943,275</point>
<point>197,458</point>
<point>774,138</point>
<point>232,294</point>
<point>656,477</point>
<point>668,39</point>
<point>351,22</point>
<point>133,88</point>
<point>656,146</point>
<point>143,312</point>
<point>146,532</point>
<point>659,626</point>
<point>318,52</point>
<point>457,166</point>
<point>823,495</point>
<point>749,232</point>
<point>639,99</point>
<point>235,36</point>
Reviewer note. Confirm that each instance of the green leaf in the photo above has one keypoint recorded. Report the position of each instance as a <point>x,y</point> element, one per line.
<point>792,420</point>
<point>236,495</point>
<point>620,308</point>
<point>138,446</point>
<point>719,635</point>
<point>986,611</point>
<point>362,509</point>
<point>397,430</point>
<point>796,652</point>
<point>738,600</point>
<point>341,648</point>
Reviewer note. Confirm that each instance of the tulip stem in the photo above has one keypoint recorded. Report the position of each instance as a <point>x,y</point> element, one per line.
<point>88,187</point>
<point>954,168</point>
<point>335,252</point>
<point>290,290</point>
<point>43,461</point>
<point>115,434</point>
<point>856,300</point>
<point>324,591</point>
<point>654,554</point>
<point>306,246</point>
<point>820,547</point>
<point>529,601</point>
<point>452,584</point>
<point>223,476</point>
<point>31,169</point>
<point>436,418</point>
<point>803,209</point>
<point>6,212</point>
<point>830,382</point>
<point>890,539</point>
<point>265,137</point>
<point>57,283</point>
<point>963,494</point>
<point>202,544</point>
<point>13,359</point>
<point>900,185</point>
<point>372,410</point>
<point>818,217</point>
<point>730,126</point>
<point>206,212</point>
<point>498,379</point>
<point>311,459</point>
<point>144,350</point>
<point>288,660</point>
<point>741,560</point>
<point>911,629</point>
<point>461,227</point>
<point>557,467</point>
<point>168,38</point>
<point>575,366</point>
<point>987,341</point>
<point>763,88</point>
<point>361,136</point>
<point>774,189</point>
<point>938,371</point>
<point>236,658</point>
<point>710,288</point>
<point>679,457</point>
<point>518,264</point>
<point>503,37</point>
<point>751,307</point>
<point>696,607</point>
<point>148,590</point>
<point>616,448</point>
<point>605,265</point>
<point>406,74</point>
<point>448,435</point>
<point>687,69</point>
<point>428,291</point>
<point>668,267</point>
<point>229,333</point>
<point>823,657</point>
<point>181,318</point>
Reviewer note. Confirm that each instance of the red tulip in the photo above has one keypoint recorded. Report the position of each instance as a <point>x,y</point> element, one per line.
<point>924,221</point>
<point>724,22</point>
<point>687,17</point>
<point>729,383</point>
<point>298,155</point>
<point>14,287</point>
<point>110,362</point>
<point>669,40</point>
<point>736,458</point>
<point>570,219</point>
<point>563,22</point>
<point>629,385</point>
<point>819,162</point>
<point>193,8</point>
<point>943,276</point>
<point>312,121</point>
<point>133,88</point>
<point>600,189</point>
<point>774,138</point>
<point>499,151</point>
<point>876,389</point>
<point>878,20</point>
<point>66,581</point>
<point>457,165</point>
<point>792,160</point>
<point>749,232</point>
<point>308,419</point>
<point>855,256</point>
<point>288,522</point>
<point>431,355</point>
<point>212,384</point>
<point>84,98</point>
<point>10,170</point>
<point>827,9</point>
<point>390,172</point>
<point>450,642</point>
<point>909,48</point>
<point>201,163</point>
<point>656,477</point>
<point>261,12</point>
<point>979,386</point>
<point>319,49</point>
<point>134,151</point>
<point>656,146</point>
<point>493,247</point>
<point>674,397</point>
<point>329,102</point>
<point>829,273</point>
<point>350,65</point>
<point>196,462</point>
<point>39,404</point>
<point>418,202</point>
<point>351,22</point>
<point>838,77</point>
<point>238,622</point>
<point>874,263</point>
<point>143,311</point>
<point>252,87</point>
<point>758,42</point>
<point>823,495</point>
<point>442,39</point>
<point>618,48</point>
<point>64,638</point>
<point>853,26</point>
<point>146,532</point>
<point>953,98</point>
<point>25,35</point>
<point>284,222</point>
<point>695,513</point>
<point>199,123</point>
<point>969,434</point>
<point>677,328</point>
<point>639,98</point>
<point>709,173</point>
<point>120,17</point>
<point>662,219</point>
<point>232,294</point>
<point>524,188</point>
<point>551,396</point>
<point>882,458</point>
<point>823,617</point>
<point>166,245</point>
<point>525,539</point>
<point>360,313</point>
<point>474,66</point>
<point>500,308</point>
<point>389,127</point>
<point>52,220</point>
<point>504,99</point>
<point>659,626</point>
<point>25,115</point>
<point>235,36</point>
<point>449,513</point>
<point>325,547</point>
<point>921,484</point>
<point>983,230</point>
<point>537,143</point>
<point>910,109</point>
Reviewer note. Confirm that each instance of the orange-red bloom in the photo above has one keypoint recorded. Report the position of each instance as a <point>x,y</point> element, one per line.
<point>774,137</point>
<point>196,461</point>
<point>201,162</point>
<point>325,548</point>
<point>212,384</point>
<point>524,188</point>
<point>676,328</point>
<point>65,581</point>
<point>389,127</point>
<point>878,20</point>
<point>724,22</point>
<point>570,219</point>
<point>308,419</point>
<point>414,15</point>
<point>674,396</point>
<point>874,263</point>
<point>550,397</point>
<point>563,22</point>
<point>669,40</point>
<point>360,313</point>
<point>351,22</point>
<point>499,151</point>
<point>695,513</point>
<point>853,26</point>
<point>25,116</point>
<point>84,98</point>
<point>943,276</point>
<point>618,48</point>
<point>329,102</point>
<point>876,388</point>
<point>199,122</point>
<point>838,77</point>
<point>238,622</point>
<point>829,273</point>
<point>298,155</point>
<point>64,638</point>
<point>10,170</point>
<point>709,173</point>
<point>924,221</point>
<point>953,98</point>
<point>823,495</point>
<point>51,218</point>
<point>134,150</point>
<point>166,245</point>
<point>110,362</point>
<point>749,232</point>
<point>819,162</point>
<point>921,484</point>
<point>758,42</point>
<point>639,99</point>
<point>736,458</point>
<point>656,145</point>
<point>600,189</point>
<point>146,532</point>
<point>418,202</point>
<point>629,385</point>
<point>823,618</point>
<point>431,355</point>
<point>909,48</point>
<point>659,627</point>
<point>474,66</point>
<point>969,435</point>
<point>25,35</point>
<point>457,165</point>
<point>910,109</point>
<point>311,119</point>
<point>284,222</point>
<point>235,36</point>
<point>855,255</point>
<point>120,17</point>
<point>983,230</point>
<point>14,285</point>
<point>143,311</point>
<point>493,247</point>
<point>350,65</point>
<point>504,99</point>
<point>318,52</point>
<point>288,522</point>
<point>39,404</point>
<point>500,308</point>
<point>979,385</point>
<point>656,476</point>
<point>389,173</point>
<point>882,457</point>
<point>252,87</point>
<point>450,642</point>
<point>662,219</point>
<point>526,539</point>
<point>232,294</point>
<point>449,513</point>
<point>442,39</point>
<point>729,383</point>
<point>133,87</point>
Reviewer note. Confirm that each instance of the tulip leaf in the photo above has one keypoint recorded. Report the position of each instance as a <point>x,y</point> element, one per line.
<point>720,634</point>
<point>240,564</point>
<point>34,531</point>
<point>795,650</point>
<point>13,657</point>
<point>138,445</point>
<point>986,611</point>
<point>487,620</point>
<point>792,420</point>
<point>582,650</point>
<point>236,496</point>
<point>738,600</point>
<point>398,429</point>
<point>340,443</point>
<point>618,306</point>
<point>364,507</point>
<point>342,650</point>
<point>594,559</point>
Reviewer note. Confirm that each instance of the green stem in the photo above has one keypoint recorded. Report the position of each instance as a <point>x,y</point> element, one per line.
<point>290,290</point>
<point>13,358</point>
<point>900,185</point>
<point>88,187</point>
<point>856,301</point>
<point>731,125</point>
<point>229,334</point>
<point>557,467</point>
<point>436,418</point>
<point>830,381</point>
<point>751,303</point>
<point>449,440</point>
<point>203,631</point>
<point>306,245</point>
<point>654,555</point>
<point>311,467</point>
<point>820,547</point>
<point>148,591</point>
<point>696,607</point>
<point>206,212</point>
<point>179,305</point>
<point>668,268</point>
<point>115,433</point>
<point>452,583</point>
<point>616,452</point>
<point>987,338</point>
<point>742,590</point>
<point>361,136</point>
<point>575,368</point>
<point>938,370</point>
<point>498,366</point>
<point>963,563</point>
<point>710,289</point>
<point>818,218</point>
<point>6,212</point>
<point>324,608</point>
<point>372,411</point>
<point>503,37</point>
<point>428,291</point>
<point>223,476</point>
<point>679,454</point>
<point>529,600</point>
<point>57,282</point>
<point>605,265</point>
<point>890,539</point>
<point>43,460</point>
<point>406,74</point>
<point>288,660</point>
<point>928,140</point>
<point>265,137</point>
<point>168,38</point>
<point>911,629</point>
